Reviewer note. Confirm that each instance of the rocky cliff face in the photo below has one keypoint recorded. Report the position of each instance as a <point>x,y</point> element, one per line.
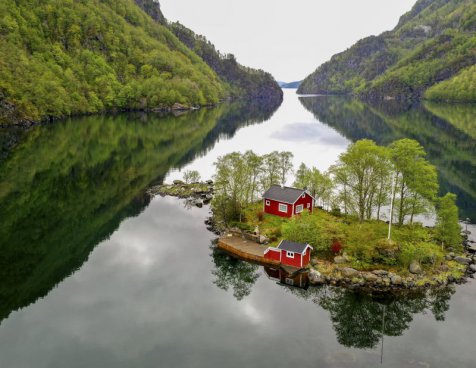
<point>152,7</point>
<point>431,43</point>
<point>244,82</point>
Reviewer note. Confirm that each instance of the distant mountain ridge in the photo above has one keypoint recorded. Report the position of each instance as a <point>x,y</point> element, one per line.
<point>430,54</point>
<point>295,84</point>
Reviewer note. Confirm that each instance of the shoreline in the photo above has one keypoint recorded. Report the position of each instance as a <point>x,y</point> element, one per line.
<point>176,109</point>
<point>165,110</point>
<point>340,274</point>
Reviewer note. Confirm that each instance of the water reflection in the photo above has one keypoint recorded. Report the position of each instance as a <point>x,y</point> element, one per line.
<point>299,279</point>
<point>447,132</point>
<point>232,273</point>
<point>359,320</point>
<point>67,186</point>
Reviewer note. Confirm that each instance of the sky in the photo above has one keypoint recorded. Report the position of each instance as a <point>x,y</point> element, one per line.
<point>289,39</point>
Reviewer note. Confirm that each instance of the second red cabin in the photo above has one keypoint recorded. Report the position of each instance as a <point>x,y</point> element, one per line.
<point>290,254</point>
<point>286,201</point>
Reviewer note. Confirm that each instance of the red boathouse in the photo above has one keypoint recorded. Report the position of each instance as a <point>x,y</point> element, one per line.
<point>290,254</point>
<point>286,201</point>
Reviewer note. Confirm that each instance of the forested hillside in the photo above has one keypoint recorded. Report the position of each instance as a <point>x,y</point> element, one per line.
<point>429,54</point>
<point>63,57</point>
<point>243,82</point>
<point>60,57</point>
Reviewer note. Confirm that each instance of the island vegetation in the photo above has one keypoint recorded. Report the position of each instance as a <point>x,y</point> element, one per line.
<point>430,54</point>
<point>349,231</point>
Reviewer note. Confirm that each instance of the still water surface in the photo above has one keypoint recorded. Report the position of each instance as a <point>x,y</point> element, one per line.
<point>93,274</point>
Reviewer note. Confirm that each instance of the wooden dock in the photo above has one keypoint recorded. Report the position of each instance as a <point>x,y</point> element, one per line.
<point>247,250</point>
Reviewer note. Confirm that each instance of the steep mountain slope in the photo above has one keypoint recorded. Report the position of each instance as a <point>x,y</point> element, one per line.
<point>432,43</point>
<point>62,57</point>
<point>244,82</point>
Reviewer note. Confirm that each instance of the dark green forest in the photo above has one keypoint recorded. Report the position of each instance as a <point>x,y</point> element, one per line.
<point>430,54</point>
<point>65,57</point>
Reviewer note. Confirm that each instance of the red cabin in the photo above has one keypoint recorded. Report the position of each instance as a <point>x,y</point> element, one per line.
<point>290,254</point>
<point>287,202</point>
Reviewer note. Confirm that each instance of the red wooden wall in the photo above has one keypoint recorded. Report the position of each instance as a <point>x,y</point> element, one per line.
<point>273,208</point>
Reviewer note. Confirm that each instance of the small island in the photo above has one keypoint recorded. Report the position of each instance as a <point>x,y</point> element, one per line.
<point>343,215</point>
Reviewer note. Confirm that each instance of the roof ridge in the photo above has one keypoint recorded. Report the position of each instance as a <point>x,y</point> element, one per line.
<point>286,187</point>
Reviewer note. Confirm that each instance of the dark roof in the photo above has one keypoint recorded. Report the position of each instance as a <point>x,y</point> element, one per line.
<point>292,246</point>
<point>283,194</point>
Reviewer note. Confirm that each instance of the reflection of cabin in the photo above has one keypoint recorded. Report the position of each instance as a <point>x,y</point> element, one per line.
<point>286,202</point>
<point>298,279</point>
<point>290,254</point>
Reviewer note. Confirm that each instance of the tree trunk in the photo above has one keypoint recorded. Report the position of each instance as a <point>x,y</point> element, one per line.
<point>393,197</point>
<point>413,208</point>
<point>379,201</point>
<point>401,215</point>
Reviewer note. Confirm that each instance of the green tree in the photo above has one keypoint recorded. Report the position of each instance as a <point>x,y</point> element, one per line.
<point>416,183</point>
<point>191,176</point>
<point>448,230</point>
<point>254,165</point>
<point>271,170</point>
<point>230,191</point>
<point>341,178</point>
<point>365,165</point>
<point>302,177</point>
<point>285,165</point>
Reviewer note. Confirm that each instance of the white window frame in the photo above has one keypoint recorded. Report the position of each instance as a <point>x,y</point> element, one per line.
<point>308,205</point>
<point>289,281</point>
<point>299,208</point>
<point>289,254</point>
<point>303,195</point>
<point>268,203</point>
<point>283,205</point>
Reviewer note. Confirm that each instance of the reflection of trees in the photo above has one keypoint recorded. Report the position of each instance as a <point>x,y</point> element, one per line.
<point>448,141</point>
<point>67,186</point>
<point>233,273</point>
<point>358,319</point>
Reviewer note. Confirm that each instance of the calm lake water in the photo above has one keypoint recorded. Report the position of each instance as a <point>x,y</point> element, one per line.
<point>94,274</point>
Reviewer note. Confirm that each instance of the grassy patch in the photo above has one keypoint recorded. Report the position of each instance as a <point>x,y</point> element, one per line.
<point>365,244</point>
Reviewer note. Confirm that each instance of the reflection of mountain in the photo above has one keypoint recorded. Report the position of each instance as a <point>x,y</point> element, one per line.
<point>444,130</point>
<point>67,186</point>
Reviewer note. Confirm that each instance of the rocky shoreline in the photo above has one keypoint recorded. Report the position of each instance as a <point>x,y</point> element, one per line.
<point>342,275</point>
<point>9,117</point>
<point>386,281</point>
<point>196,194</point>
